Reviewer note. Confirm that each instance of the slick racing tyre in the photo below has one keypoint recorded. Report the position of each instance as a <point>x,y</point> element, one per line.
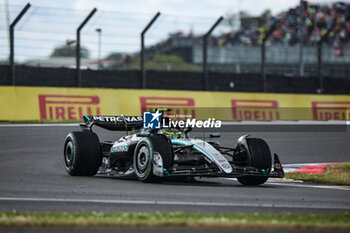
<point>144,154</point>
<point>82,154</point>
<point>260,157</point>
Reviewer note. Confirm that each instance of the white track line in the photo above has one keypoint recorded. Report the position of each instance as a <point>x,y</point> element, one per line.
<point>347,188</point>
<point>297,165</point>
<point>175,203</point>
<point>302,185</point>
<point>301,122</point>
<point>223,123</point>
<point>291,167</point>
<point>39,125</point>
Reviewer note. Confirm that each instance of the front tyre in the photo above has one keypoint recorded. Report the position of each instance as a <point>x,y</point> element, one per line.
<point>82,154</point>
<point>143,157</point>
<point>260,158</point>
<point>144,153</point>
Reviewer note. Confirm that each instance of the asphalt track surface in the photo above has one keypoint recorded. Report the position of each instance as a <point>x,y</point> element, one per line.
<point>32,178</point>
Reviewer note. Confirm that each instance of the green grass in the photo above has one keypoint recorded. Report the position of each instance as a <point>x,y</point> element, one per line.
<point>175,219</point>
<point>333,174</point>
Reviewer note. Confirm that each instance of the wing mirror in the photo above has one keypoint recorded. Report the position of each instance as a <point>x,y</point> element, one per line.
<point>214,135</point>
<point>188,129</point>
<point>143,134</point>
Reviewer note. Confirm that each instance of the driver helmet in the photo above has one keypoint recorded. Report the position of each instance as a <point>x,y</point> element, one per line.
<point>172,133</point>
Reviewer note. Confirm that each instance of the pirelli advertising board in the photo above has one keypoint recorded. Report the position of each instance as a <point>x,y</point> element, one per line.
<point>43,103</point>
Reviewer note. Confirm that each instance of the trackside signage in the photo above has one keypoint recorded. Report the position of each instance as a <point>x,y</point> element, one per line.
<point>255,110</point>
<point>68,107</point>
<point>48,103</point>
<point>331,110</point>
<point>179,106</point>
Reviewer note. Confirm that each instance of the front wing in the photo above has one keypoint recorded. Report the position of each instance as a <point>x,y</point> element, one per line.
<point>237,171</point>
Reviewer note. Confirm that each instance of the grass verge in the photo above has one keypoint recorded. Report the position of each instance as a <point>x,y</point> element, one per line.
<point>285,220</point>
<point>333,174</point>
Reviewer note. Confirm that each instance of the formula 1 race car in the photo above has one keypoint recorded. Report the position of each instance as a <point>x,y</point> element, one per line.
<point>153,155</point>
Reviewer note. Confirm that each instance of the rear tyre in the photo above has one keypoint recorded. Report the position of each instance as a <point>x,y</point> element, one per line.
<point>260,157</point>
<point>144,153</point>
<point>82,154</point>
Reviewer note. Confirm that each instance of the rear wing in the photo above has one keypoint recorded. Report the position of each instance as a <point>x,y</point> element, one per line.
<point>115,123</point>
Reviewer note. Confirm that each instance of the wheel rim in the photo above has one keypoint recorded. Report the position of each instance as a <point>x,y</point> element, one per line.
<point>68,154</point>
<point>143,159</point>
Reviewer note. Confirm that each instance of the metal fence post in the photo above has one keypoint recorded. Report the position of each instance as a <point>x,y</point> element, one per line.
<point>77,45</point>
<point>319,56</point>
<point>142,54</point>
<point>263,64</point>
<point>319,66</point>
<point>12,43</point>
<point>205,58</point>
<point>263,48</point>
<point>99,31</point>
<point>301,39</point>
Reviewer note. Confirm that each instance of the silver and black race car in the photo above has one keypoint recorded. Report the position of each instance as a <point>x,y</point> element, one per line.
<point>154,155</point>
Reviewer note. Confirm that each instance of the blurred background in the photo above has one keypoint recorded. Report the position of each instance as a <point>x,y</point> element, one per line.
<point>265,45</point>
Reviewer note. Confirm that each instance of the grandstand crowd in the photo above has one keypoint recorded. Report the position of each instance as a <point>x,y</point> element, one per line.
<point>331,23</point>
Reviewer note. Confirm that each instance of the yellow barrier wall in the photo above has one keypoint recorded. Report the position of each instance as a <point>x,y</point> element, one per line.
<point>45,103</point>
